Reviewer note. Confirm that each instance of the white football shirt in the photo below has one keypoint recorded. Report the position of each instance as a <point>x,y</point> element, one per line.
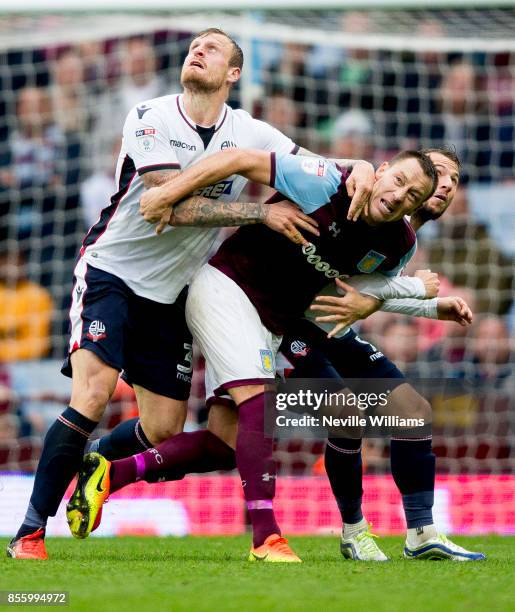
<point>159,135</point>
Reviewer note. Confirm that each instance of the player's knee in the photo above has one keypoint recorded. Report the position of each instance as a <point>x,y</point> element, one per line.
<point>160,429</point>
<point>421,410</point>
<point>408,404</point>
<point>161,418</point>
<point>93,383</point>
<point>227,432</point>
<point>159,433</point>
<point>91,400</point>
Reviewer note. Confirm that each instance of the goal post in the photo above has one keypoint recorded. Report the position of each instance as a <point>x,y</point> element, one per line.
<point>350,79</point>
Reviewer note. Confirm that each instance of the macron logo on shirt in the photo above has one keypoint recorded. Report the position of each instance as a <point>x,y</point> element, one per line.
<point>182,145</point>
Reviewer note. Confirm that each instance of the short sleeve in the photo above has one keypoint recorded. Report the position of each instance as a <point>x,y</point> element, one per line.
<point>146,140</point>
<point>310,182</point>
<point>271,139</point>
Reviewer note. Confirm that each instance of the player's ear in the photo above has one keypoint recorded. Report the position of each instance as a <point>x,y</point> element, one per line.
<point>381,170</point>
<point>233,75</point>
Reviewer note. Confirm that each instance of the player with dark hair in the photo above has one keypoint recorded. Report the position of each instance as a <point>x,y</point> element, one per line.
<point>347,356</point>
<point>255,285</point>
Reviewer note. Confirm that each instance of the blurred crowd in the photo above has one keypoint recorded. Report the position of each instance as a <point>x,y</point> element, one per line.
<point>63,108</point>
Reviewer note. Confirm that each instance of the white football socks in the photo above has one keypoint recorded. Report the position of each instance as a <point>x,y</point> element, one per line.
<point>419,535</point>
<point>351,530</point>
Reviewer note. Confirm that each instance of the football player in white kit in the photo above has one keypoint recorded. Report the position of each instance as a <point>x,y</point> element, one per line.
<point>129,288</point>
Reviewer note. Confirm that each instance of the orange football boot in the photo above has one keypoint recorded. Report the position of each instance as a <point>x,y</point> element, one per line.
<point>274,549</point>
<point>31,546</point>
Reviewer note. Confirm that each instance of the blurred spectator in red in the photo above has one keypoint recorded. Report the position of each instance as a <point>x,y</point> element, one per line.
<point>429,330</point>
<point>6,393</point>
<point>9,427</point>
<point>447,357</point>
<point>25,312</point>
<point>400,341</point>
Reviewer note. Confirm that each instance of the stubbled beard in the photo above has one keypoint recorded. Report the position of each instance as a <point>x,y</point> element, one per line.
<point>424,214</point>
<point>199,85</point>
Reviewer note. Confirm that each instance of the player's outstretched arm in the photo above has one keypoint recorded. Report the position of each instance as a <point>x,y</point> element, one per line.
<point>450,308</point>
<point>364,294</point>
<point>254,165</point>
<point>283,217</point>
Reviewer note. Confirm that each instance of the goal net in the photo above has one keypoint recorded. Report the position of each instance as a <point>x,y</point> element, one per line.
<point>344,83</point>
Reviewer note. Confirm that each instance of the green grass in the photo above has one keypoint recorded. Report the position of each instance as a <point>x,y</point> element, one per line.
<point>197,574</point>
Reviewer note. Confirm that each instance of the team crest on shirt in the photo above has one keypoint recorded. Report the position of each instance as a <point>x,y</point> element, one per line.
<point>299,348</point>
<point>267,360</point>
<point>314,165</point>
<point>146,139</point>
<point>96,331</point>
<point>371,262</point>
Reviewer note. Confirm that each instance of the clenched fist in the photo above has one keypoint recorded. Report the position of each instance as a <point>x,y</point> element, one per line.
<point>431,282</point>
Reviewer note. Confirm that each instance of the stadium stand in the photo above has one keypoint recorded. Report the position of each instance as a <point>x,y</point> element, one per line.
<point>343,83</point>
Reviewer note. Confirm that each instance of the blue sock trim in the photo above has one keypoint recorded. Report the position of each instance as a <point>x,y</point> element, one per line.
<point>34,519</point>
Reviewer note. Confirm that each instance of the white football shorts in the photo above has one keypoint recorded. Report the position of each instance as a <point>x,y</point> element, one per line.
<point>238,348</point>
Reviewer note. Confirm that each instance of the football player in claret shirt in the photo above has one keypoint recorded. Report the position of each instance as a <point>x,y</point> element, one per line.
<point>346,356</point>
<point>255,285</point>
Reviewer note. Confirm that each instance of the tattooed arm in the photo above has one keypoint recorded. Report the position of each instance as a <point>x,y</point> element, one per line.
<point>283,217</point>
<point>204,212</point>
<point>197,211</point>
<point>207,212</point>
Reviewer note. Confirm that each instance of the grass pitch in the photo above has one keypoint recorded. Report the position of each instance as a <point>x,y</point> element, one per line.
<point>193,573</point>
